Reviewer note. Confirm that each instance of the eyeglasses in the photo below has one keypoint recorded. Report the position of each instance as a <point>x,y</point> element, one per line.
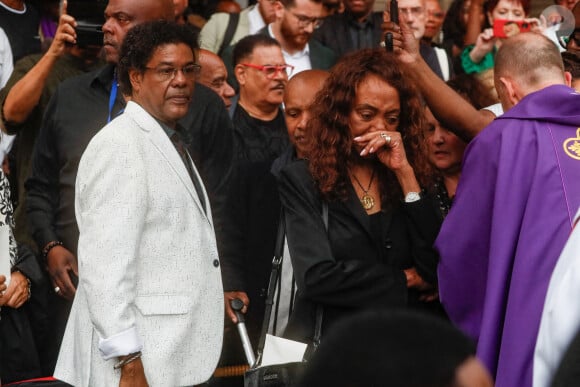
<point>270,71</point>
<point>413,11</point>
<point>164,74</point>
<point>305,21</point>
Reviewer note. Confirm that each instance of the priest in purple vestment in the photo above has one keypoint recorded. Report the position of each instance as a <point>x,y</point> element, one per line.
<point>513,209</point>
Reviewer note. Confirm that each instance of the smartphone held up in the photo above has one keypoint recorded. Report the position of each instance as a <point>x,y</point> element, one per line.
<point>89,17</point>
<point>507,28</point>
<point>394,16</point>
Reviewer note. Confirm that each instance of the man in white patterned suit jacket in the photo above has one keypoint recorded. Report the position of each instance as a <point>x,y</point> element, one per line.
<point>149,305</point>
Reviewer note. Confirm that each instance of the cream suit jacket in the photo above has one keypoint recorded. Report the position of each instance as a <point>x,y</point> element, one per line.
<point>148,262</point>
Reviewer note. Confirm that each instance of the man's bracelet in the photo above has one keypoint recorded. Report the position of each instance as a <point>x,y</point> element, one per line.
<point>49,247</point>
<point>131,358</point>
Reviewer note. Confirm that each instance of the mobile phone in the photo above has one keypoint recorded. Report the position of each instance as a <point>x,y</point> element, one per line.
<point>507,28</point>
<point>394,15</point>
<point>89,17</point>
<point>394,11</point>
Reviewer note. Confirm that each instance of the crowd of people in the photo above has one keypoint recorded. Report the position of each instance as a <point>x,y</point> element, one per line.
<point>421,170</point>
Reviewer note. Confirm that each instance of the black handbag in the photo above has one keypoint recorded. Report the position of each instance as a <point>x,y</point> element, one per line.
<point>286,374</point>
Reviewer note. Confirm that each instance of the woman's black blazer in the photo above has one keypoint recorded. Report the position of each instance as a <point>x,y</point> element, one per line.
<point>344,268</point>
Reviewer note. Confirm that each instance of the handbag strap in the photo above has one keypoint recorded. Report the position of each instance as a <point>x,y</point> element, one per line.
<point>319,307</point>
<point>274,278</point>
<point>229,34</point>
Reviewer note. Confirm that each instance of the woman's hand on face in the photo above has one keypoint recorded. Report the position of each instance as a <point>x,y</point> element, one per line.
<point>388,147</point>
<point>17,293</point>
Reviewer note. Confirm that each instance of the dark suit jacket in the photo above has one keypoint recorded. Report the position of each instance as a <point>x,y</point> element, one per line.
<point>321,58</point>
<point>430,57</point>
<point>334,32</point>
<point>346,269</point>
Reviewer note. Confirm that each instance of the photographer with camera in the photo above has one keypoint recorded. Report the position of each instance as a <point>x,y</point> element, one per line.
<point>503,18</point>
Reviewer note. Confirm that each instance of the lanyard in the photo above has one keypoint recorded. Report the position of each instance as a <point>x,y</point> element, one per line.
<point>112,96</point>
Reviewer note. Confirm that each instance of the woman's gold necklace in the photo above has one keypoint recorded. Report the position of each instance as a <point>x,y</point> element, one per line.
<point>367,201</point>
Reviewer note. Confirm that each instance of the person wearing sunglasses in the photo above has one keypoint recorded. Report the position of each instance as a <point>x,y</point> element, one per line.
<point>259,128</point>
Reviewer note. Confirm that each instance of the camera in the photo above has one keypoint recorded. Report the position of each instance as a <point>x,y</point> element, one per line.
<point>89,15</point>
<point>507,28</point>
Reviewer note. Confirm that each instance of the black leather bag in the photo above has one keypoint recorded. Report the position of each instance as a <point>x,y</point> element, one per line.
<point>276,375</point>
<point>286,374</point>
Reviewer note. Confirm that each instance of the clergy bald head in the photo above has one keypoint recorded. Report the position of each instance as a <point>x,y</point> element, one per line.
<point>524,64</point>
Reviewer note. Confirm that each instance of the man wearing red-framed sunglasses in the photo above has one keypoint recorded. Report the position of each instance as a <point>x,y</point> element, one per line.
<point>259,127</point>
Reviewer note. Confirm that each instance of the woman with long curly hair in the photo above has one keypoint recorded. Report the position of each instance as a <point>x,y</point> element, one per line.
<point>375,250</point>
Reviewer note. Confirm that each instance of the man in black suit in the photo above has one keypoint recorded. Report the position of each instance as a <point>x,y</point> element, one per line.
<point>356,28</point>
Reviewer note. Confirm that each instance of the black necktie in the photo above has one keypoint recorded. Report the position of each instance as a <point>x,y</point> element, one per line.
<point>182,150</point>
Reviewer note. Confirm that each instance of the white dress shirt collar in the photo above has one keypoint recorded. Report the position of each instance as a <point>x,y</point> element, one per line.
<point>256,20</point>
<point>300,59</point>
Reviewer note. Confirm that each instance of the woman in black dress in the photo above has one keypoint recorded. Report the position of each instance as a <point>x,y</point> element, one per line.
<point>365,168</point>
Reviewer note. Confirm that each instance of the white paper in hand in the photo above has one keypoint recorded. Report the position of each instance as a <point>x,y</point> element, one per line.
<point>5,252</point>
<point>279,351</point>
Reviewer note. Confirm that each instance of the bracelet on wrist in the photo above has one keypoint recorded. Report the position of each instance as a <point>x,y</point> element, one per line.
<point>129,359</point>
<point>49,246</point>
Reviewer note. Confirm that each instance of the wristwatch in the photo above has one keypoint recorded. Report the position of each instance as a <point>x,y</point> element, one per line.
<point>412,197</point>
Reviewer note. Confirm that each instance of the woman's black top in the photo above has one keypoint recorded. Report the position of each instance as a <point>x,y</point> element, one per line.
<point>358,262</point>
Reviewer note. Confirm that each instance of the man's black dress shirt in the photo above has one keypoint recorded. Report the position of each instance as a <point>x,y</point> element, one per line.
<point>257,140</point>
